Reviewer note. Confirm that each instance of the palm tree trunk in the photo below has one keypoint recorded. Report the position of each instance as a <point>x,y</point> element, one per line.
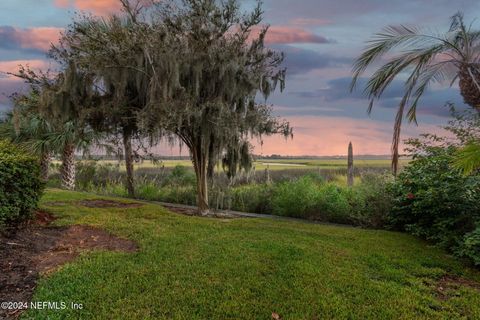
<point>68,167</point>
<point>470,85</point>
<point>45,160</point>
<point>127,144</point>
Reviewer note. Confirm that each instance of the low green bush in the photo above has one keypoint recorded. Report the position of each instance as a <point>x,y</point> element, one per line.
<point>436,202</point>
<point>251,198</point>
<point>433,199</point>
<point>332,204</point>
<point>20,184</point>
<point>181,176</point>
<point>296,198</point>
<point>371,200</point>
<point>470,247</point>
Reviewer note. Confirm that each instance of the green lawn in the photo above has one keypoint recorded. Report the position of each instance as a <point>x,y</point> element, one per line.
<point>202,268</point>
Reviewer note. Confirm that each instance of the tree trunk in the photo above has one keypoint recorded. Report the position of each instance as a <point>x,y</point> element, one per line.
<point>68,166</point>
<point>45,160</point>
<point>200,162</point>
<point>470,85</point>
<point>127,144</point>
<point>350,165</point>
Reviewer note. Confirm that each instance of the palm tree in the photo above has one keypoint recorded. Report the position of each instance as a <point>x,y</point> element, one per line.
<point>65,100</point>
<point>424,58</point>
<point>27,128</point>
<point>39,132</point>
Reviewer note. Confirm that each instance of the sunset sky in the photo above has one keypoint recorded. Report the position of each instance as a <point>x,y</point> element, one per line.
<point>320,38</point>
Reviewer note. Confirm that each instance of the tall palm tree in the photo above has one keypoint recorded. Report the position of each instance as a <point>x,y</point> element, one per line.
<point>424,58</point>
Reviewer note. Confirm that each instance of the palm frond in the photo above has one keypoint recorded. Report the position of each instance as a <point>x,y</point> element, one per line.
<point>467,159</point>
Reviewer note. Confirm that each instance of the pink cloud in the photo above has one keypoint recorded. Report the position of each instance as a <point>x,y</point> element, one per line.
<point>99,7</point>
<point>61,3</point>
<point>10,84</point>
<point>12,66</point>
<point>288,34</point>
<point>321,135</point>
<point>39,38</point>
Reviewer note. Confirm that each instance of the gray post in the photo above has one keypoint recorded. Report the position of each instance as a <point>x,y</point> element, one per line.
<point>350,165</point>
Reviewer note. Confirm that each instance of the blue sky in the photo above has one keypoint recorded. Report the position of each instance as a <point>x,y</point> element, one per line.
<point>320,38</point>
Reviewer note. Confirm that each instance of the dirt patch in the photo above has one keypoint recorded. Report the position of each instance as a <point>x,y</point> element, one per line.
<point>447,283</point>
<point>102,203</point>
<point>33,250</point>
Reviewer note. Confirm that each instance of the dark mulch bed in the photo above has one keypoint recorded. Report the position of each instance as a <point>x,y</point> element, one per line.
<point>35,249</point>
<point>448,283</point>
<point>102,203</point>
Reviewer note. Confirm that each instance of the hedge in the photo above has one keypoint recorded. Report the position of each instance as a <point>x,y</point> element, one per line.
<point>20,184</point>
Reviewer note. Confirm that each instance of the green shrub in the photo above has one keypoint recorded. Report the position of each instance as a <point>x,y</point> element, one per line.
<point>471,246</point>
<point>436,202</point>
<point>251,198</point>
<point>148,191</point>
<point>178,194</point>
<point>332,204</point>
<point>296,198</point>
<point>20,184</point>
<point>181,176</point>
<point>371,200</point>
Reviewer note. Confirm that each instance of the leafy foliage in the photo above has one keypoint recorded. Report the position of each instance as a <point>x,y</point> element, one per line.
<point>20,184</point>
<point>435,200</point>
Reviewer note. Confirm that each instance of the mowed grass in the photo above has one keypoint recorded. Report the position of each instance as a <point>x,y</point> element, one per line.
<point>205,268</point>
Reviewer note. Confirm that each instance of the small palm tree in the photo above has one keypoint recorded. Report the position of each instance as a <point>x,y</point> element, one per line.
<point>27,128</point>
<point>424,58</point>
<point>52,120</point>
<point>64,101</point>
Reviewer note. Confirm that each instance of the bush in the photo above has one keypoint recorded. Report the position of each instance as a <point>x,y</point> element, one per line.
<point>251,198</point>
<point>371,200</point>
<point>296,198</point>
<point>332,204</point>
<point>181,176</point>
<point>20,184</point>
<point>436,202</point>
<point>471,246</point>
